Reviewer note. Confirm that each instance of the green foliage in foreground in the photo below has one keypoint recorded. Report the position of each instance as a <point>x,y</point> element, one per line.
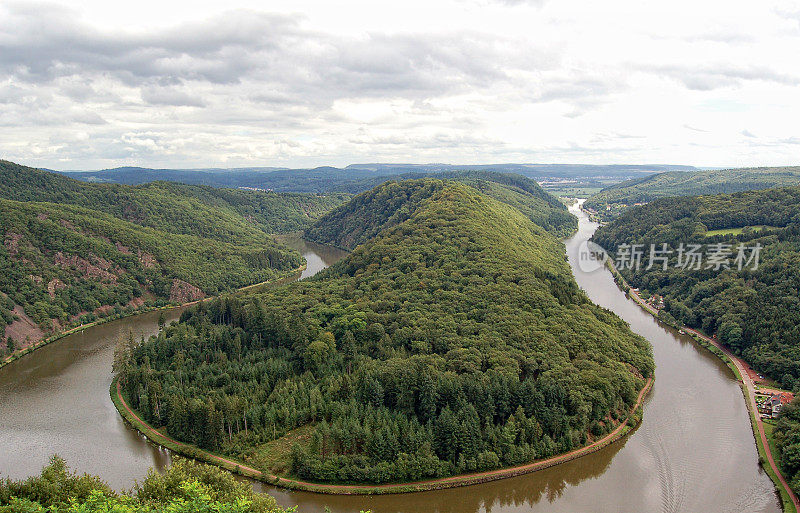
<point>755,312</point>
<point>679,183</point>
<point>183,487</point>
<point>455,339</point>
<point>359,220</point>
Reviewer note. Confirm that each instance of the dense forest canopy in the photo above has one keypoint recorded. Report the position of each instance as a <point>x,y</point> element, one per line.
<point>452,339</point>
<point>75,251</point>
<point>754,311</point>
<point>621,196</point>
<point>184,487</point>
<point>392,203</point>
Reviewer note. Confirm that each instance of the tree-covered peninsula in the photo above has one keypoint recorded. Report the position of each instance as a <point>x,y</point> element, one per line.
<point>452,339</point>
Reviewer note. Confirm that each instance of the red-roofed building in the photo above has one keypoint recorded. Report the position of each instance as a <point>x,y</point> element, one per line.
<point>774,404</point>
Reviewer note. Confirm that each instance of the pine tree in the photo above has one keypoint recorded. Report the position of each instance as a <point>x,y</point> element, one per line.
<point>445,441</point>
<point>427,398</point>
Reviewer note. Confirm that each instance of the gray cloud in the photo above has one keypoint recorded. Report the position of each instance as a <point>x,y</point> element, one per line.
<point>42,45</point>
<point>255,73</point>
<point>88,118</point>
<point>709,77</point>
<point>248,87</point>
<point>169,96</point>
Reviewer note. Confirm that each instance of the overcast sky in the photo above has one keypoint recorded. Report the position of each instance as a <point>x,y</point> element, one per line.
<point>87,85</point>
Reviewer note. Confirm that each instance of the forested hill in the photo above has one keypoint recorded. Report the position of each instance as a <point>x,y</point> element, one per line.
<point>453,339</point>
<point>621,196</point>
<point>74,251</point>
<point>370,212</point>
<point>755,312</point>
<point>229,215</point>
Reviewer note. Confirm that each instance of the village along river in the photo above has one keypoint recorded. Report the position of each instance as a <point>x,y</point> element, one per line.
<point>694,451</point>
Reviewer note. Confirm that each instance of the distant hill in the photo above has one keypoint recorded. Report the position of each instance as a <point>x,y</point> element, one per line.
<point>615,199</point>
<point>228,215</point>
<point>359,220</point>
<point>74,251</point>
<point>354,178</point>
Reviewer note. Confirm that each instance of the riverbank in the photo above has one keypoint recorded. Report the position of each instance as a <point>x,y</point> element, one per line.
<point>789,500</point>
<point>142,310</point>
<point>161,439</point>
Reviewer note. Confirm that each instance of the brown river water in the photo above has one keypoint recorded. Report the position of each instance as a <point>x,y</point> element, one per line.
<point>694,452</point>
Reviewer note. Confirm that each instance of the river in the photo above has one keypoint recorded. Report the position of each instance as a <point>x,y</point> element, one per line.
<point>694,451</point>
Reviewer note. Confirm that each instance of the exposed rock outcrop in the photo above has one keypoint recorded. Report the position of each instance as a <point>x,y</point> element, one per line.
<point>183,292</point>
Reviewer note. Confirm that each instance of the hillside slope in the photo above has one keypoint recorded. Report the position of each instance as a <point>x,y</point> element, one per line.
<point>75,251</point>
<point>223,214</point>
<point>621,196</point>
<point>393,202</point>
<point>754,311</point>
<point>454,338</point>
<point>64,263</point>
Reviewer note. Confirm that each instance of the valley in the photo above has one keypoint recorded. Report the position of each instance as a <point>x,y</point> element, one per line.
<point>654,467</point>
<point>495,256</point>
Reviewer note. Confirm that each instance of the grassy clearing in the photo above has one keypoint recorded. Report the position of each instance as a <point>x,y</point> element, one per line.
<point>276,456</point>
<point>737,231</point>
